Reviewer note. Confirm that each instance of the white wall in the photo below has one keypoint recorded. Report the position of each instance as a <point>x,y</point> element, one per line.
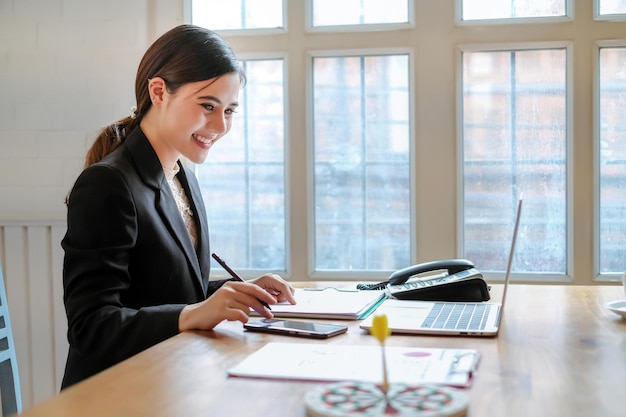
<point>67,68</point>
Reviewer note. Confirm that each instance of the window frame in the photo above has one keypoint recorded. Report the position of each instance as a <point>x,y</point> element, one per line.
<point>310,28</point>
<point>568,17</point>
<point>615,17</point>
<point>597,46</point>
<point>310,140</point>
<point>251,272</point>
<point>567,277</point>
<point>187,15</point>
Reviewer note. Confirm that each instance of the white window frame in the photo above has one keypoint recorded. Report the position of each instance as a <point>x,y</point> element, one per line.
<point>598,276</point>
<point>244,32</point>
<point>458,16</point>
<point>311,55</point>
<point>617,17</point>
<point>372,27</point>
<point>253,56</point>
<point>514,47</point>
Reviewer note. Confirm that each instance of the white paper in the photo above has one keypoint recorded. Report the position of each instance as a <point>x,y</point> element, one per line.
<point>325,362</point>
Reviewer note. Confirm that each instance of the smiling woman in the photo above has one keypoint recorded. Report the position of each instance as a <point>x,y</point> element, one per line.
<point>136,268</point>
<point>189,120</point>
<point>166,66</point>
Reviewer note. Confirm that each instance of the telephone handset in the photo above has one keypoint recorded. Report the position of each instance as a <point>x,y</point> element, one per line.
<point>459,281</point>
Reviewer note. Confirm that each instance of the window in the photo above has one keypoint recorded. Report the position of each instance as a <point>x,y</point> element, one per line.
<point>358,12</point>
<point>237,14</point>
<point>511,9</point>
<point>606,8</point>
<point>514,143</point>
<point>373,138</point>
<point>243,179</point>
<point>612,157</point>
<point>361,159</point>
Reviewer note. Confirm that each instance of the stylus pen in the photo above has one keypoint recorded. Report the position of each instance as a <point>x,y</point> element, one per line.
<point>234,275</point>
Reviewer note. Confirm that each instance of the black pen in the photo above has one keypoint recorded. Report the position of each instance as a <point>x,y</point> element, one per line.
<point>234,275</point>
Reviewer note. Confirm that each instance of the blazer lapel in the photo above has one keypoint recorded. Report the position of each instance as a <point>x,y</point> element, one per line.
<point>149,168</point>
<point>196,201</point>
<point>166,205</point>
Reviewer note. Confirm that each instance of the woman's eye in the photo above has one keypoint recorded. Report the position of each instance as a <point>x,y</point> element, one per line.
<point>230,112</point>
<point>209,107</point>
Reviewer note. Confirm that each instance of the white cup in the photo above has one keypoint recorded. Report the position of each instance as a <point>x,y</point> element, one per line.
<point>624,282</point>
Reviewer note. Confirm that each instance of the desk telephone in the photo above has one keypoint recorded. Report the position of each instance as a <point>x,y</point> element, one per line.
<point>460,281</point>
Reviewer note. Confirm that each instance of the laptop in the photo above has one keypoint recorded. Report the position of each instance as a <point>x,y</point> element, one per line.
<point>448,318</point>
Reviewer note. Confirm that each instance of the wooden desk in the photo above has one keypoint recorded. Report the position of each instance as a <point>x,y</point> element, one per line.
<point>559,353</point>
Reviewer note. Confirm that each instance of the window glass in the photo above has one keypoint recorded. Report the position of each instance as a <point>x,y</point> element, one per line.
<point>358,12</point>
<point>243,179</point>
<point>361,152</point>
<point>612,154</point>
<point>611,7</point>
<point>514,142</point>
<point>361,162</point>
<point>237,14</point>
<point>506,9</point>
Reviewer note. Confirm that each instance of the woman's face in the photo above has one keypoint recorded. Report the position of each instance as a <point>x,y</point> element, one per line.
<point>189,121</point>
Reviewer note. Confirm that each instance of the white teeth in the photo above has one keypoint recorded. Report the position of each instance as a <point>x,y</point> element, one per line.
<point>203,139</point>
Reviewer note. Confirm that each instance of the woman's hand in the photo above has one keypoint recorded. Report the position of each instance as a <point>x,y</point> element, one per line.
<point>233,300</point>
<point>276,286</point>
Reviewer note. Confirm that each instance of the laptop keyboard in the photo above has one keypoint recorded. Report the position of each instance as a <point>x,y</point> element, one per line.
<point>457,316</point>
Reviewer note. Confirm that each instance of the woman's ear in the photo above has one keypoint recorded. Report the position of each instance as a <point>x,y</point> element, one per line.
<point>156,88</point>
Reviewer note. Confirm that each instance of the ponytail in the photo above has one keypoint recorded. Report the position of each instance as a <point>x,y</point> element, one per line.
<point>108,139</point>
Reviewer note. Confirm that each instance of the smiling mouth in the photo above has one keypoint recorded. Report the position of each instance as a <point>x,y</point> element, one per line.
<point>203,139</point>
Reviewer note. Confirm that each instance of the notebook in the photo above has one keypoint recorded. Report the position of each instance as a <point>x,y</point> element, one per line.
<point>329,303</point>
<point>448,318</point>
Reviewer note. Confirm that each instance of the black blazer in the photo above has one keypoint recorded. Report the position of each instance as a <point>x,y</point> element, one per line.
<point>130,266</point>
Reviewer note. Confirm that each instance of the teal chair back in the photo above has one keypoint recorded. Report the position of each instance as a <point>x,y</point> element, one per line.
<point>10,391</point>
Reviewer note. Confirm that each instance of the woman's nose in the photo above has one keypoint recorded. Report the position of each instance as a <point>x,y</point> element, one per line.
<point>218,124</point>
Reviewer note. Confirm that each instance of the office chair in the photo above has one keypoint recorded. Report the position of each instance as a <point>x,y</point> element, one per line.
<point>10,391</point>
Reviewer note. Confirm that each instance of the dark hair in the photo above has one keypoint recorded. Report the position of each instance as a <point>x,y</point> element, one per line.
<point>184,54</point>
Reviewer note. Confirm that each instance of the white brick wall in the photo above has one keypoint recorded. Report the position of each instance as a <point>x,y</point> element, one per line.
<point>67,68</point>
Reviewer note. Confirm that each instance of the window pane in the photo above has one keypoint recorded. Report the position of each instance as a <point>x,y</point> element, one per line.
<point>611,6</point>
<point>361,158</point>
<point>514,142</point>
<point>243,178</point>
<point>612,159</point>
<point>237,14</point>
<point>357,12</point>
<point>506,9</point>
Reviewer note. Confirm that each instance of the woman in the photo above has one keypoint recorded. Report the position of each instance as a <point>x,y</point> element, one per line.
<point>136,267</point>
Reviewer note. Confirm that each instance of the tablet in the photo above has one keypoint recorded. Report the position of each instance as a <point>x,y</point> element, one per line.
<point>296,328</point>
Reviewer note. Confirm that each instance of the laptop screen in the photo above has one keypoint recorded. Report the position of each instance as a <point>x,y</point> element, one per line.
<point>507,276</point>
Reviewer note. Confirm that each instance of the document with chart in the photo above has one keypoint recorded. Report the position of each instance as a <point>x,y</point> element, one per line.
<point>327,362</point>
